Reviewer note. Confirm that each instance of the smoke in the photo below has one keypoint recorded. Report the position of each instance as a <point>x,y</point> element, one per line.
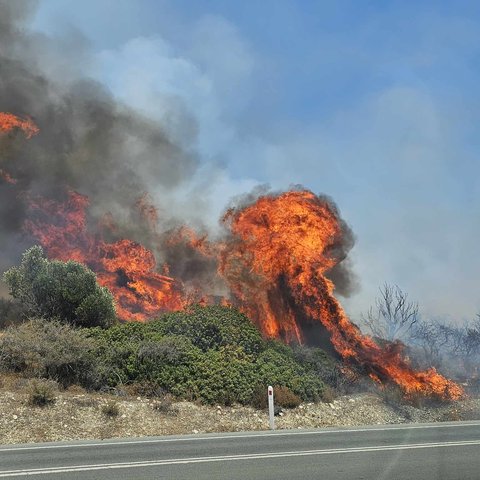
<point>89,142</point>
<point>95,144</point>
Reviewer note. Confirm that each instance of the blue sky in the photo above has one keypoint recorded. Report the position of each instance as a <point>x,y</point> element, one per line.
<point>373,103</point>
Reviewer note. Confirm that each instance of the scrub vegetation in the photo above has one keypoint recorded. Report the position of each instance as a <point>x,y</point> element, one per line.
<point>66,333</point>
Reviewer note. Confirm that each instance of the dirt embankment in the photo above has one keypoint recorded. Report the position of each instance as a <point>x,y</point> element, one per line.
<point>80,415</point>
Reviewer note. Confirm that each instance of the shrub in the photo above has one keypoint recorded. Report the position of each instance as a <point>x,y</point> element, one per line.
<point>64,290</point>
<point>111,409</point>
<point>285,398</point>
<point>259,399</point>
<point>209,363</point>
<point>224,376</point>
<point>41,393</point>
<point>328,395</point>
<point>165,406</point>
<point>49,349</point>
<point>145,389</point>
<point>282,396</point>
<point>277,366</point>
<point>212,327</point>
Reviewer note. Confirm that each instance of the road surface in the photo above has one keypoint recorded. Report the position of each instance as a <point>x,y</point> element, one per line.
<point>445,451</point>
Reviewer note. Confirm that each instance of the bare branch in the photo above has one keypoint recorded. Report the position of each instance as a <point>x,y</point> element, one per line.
<point>394,315</point>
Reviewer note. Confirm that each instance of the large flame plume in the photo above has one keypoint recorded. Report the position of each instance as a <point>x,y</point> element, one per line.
<point>276,263</point>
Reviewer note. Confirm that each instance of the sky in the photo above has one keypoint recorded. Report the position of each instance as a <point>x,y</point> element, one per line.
<point>374,103</point>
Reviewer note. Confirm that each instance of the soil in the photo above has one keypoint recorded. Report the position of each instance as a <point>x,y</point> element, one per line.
<point>76,414</point>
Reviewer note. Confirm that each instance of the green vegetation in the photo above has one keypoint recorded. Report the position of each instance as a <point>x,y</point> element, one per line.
<point>67,291</point>
<point>212,354</point>
<point>162,357</point>
<point>11,312</point>
<point>222,361</point>
<point>48,349</point>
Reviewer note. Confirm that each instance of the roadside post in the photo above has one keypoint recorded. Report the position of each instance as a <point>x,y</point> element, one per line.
<point>271,411</point>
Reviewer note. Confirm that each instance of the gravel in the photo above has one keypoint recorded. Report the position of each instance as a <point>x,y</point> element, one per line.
<point>79,415</point>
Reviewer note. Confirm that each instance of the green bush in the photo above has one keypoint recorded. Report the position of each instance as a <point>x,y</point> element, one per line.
<point>278,366</point>
<point>331,372</point>
<point>211,327</point>
<point>67,291</point>
<point>49,349</point>
<point>208,364</point>
<point>222,361</point>
<point>224,376</point>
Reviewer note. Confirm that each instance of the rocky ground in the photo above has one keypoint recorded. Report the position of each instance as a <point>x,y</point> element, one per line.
<point>76,414</point>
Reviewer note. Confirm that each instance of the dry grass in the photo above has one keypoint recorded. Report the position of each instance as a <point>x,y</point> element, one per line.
<point>111,409</point>
<point>42,393</point>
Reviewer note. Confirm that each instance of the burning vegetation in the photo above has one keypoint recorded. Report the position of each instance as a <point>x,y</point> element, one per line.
<point>80,189</point>
<point>274,257</point>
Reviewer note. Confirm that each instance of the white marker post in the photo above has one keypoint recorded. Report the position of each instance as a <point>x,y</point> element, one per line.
<point>271,410</point>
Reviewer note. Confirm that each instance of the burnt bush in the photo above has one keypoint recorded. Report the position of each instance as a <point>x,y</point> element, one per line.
<point>283,397</point>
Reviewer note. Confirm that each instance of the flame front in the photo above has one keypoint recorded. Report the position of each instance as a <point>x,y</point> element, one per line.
<point>125,267</point>
<point>275,264</point>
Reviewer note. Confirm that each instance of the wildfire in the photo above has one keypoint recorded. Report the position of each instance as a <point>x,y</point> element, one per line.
<point>125,267</point>
<point>275,264</point>
<point>274,258</point>
<point>10,122</point>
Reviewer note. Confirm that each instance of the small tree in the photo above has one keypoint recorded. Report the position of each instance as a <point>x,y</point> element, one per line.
<point>393,316</point>
<point>67,291</point>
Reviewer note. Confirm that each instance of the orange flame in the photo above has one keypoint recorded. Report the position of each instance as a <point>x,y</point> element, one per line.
<point>275,264</point>
<point>10,122</point>
<point>125,267</point>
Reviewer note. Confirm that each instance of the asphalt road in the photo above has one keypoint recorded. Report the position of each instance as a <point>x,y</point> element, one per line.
<point>444,451</point>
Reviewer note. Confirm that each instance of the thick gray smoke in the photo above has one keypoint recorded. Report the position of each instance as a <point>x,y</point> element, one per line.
<point>92,143</point>
<point>89,142</point>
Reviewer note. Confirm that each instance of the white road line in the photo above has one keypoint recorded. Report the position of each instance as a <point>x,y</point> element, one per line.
<point>226,458</point>
<point>232,437</point>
